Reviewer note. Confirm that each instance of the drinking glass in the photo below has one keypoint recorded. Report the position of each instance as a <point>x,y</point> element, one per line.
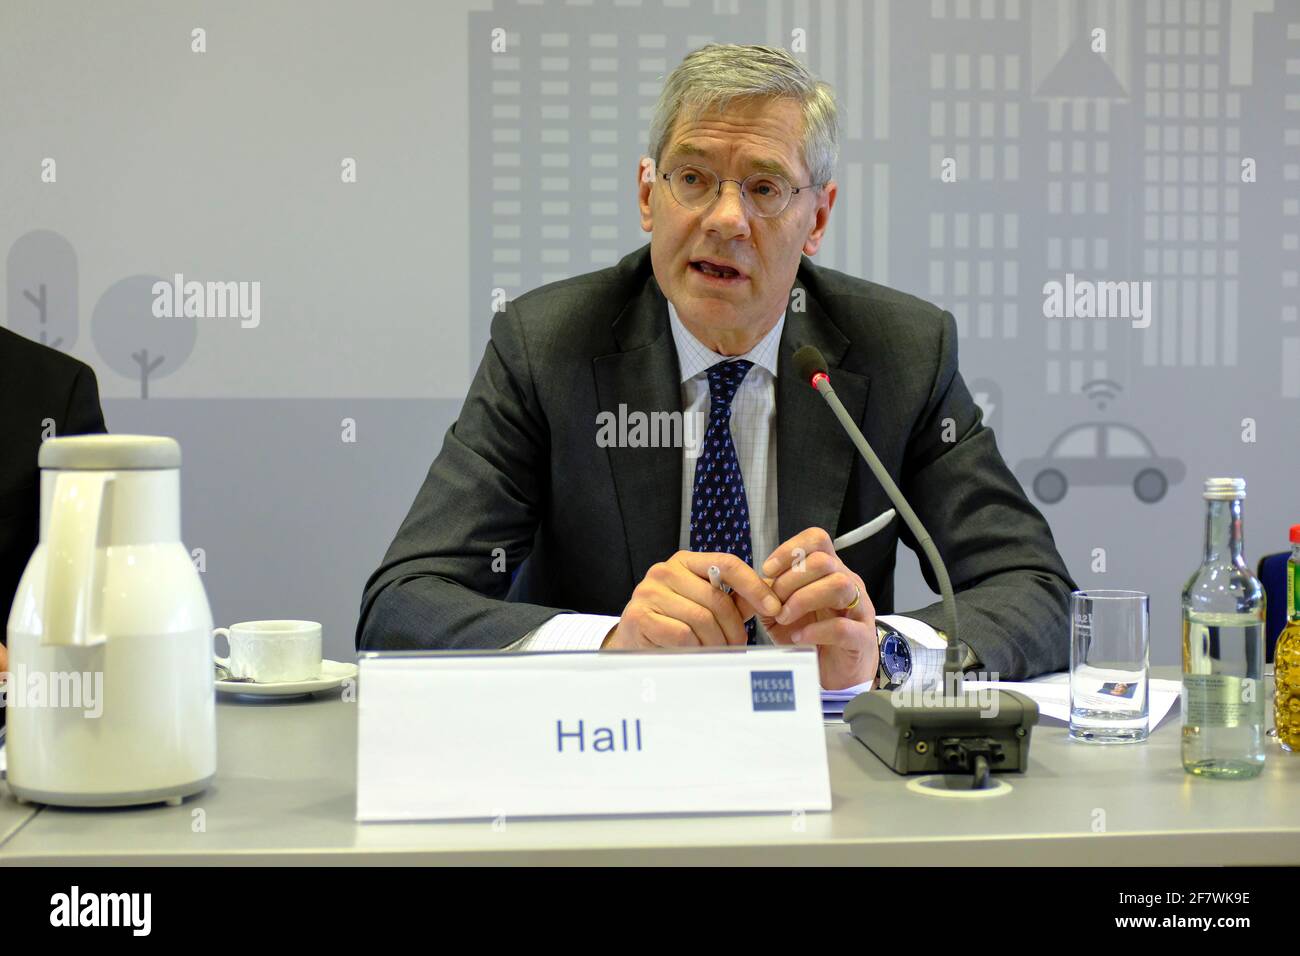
<point>1109,650</point>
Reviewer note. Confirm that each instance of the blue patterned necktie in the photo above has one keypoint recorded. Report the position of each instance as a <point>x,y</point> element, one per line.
<point>719,508</point>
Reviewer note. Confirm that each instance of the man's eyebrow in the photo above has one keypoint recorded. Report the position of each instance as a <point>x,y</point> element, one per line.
<point>758,165</point>
<point>687,149</point>
<point>771,166</point>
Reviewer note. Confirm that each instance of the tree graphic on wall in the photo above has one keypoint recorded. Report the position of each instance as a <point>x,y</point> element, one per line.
<point>41,289</point>
<point>135,342</point>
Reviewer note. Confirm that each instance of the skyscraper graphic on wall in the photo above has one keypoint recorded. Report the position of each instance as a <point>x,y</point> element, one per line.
<point>960,244</point>
<point>1190,230</point>
<point>558,121</point>
<point>1122,165</point>
<point>1086,206</point>
<point>1271,206</point>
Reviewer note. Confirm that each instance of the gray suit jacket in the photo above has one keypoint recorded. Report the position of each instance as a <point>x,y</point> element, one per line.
<point>521,471</point>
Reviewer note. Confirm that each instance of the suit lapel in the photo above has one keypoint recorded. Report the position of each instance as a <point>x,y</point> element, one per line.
<point>644,377</point>
<point>814,456</point>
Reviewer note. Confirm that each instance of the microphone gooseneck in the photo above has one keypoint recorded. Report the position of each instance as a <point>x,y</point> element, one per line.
<point>810,365</point>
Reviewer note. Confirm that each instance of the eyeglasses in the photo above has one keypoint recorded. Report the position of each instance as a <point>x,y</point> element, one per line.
<point>766,194</point>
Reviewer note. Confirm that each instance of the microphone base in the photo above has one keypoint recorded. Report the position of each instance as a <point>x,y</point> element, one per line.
<point>975,733</point>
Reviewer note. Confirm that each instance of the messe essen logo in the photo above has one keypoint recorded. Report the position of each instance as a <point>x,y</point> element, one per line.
<point>772,690</point>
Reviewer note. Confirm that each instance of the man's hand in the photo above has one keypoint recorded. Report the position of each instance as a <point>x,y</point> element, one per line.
<point>676,606</point>
<point>815,589</point>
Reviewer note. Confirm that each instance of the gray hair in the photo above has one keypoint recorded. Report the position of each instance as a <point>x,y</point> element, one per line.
<point>712,76</point>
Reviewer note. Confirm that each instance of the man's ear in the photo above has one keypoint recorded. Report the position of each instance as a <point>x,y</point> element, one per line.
<point>821,217</point>
<point>645,175</point>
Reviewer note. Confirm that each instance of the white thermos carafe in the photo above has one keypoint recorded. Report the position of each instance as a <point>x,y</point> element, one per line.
<point>110,696</point>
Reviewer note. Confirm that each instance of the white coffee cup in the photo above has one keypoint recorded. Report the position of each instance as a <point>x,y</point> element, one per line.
<point>270,652</point>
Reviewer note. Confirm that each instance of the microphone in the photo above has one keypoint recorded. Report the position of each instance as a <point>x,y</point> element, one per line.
<point>955,732</point>
<point>810,365</point>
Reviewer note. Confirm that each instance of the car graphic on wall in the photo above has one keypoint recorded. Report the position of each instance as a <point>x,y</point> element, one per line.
<point>1100,453</point>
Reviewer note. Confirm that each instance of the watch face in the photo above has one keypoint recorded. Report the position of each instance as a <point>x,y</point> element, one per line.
<point>895,657</point>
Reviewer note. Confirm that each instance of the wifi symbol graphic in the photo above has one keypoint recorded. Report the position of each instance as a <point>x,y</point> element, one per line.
<point>1102,391</point>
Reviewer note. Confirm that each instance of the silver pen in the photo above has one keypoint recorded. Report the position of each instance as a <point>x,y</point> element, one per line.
<point>850,538</point>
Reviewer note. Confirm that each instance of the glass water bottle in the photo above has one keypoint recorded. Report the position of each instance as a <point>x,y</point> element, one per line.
<point>1223,648</point>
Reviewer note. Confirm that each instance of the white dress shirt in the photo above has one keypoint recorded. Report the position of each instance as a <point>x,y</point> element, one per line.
<point>753,430</point>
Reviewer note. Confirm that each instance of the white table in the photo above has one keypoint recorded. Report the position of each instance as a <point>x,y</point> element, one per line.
<point>285,793</point>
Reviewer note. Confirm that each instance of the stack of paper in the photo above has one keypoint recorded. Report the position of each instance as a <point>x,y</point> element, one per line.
<point>1050,692</point>
<point>834,701</point>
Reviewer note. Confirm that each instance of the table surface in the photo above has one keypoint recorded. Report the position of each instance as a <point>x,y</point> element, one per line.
<point>285,793</point>
<point>12,814</point>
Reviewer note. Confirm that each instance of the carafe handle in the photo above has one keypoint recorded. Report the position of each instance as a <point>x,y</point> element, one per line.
<point>70,578</point>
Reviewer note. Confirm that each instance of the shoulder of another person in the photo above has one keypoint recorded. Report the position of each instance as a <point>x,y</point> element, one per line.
<point>37,373</point>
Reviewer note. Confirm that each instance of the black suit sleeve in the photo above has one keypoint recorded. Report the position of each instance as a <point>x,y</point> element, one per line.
<point>1011,585</point>
<point>443,581</point>
<point>84,415</point>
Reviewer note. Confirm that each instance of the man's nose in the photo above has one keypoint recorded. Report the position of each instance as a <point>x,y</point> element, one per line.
<point>727,216</point>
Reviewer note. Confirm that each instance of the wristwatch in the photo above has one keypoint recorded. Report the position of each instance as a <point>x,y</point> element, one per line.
<point>895,658</point>
<point>898,665</point>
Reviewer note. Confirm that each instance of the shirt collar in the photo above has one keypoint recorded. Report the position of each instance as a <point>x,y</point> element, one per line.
<point>694,357</point>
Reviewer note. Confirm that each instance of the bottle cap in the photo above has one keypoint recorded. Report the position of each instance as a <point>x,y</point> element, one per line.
<point>1295,534</point>
<point>1224,489</point>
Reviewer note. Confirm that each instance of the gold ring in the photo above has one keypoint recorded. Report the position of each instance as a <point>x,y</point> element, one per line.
<point>857,596</point>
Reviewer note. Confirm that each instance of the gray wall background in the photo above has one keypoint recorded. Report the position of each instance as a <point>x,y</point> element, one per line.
<point>484,173</point>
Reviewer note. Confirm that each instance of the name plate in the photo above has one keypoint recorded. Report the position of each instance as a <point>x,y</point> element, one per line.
<point>506,734</point>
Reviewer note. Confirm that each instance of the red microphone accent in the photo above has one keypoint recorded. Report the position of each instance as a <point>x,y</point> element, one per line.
<point>819,377</point>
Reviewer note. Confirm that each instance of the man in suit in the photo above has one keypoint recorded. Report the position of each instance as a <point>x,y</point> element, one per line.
<point>620,529</point>
<point>43,394</point>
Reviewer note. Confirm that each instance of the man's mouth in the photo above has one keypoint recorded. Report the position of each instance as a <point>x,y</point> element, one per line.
<point>715,269</point>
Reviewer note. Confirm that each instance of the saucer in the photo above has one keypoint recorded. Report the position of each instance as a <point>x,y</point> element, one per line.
<point>332,674</point>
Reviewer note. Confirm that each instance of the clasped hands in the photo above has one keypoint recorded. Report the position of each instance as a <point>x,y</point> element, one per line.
<point>803,596</point>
